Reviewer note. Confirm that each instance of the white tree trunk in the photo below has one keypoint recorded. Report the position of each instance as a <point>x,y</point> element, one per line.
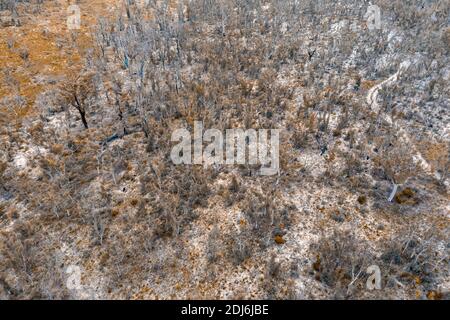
<point>394,191</point>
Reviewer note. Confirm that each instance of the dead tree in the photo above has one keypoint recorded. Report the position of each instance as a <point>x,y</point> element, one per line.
<point>78,92</point>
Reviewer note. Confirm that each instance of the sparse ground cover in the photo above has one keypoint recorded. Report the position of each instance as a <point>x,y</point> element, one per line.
<point>87,183</point>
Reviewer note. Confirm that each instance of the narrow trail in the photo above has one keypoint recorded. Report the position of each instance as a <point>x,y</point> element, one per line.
<point>371,100</point>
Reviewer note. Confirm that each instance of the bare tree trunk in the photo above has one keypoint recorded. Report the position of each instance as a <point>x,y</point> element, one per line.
<point>83,119</point>
<point>82,112</point>
<point>393,192</point>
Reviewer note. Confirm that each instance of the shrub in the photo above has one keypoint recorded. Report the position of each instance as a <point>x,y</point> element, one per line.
<point>341,261</point>
<point>410,259</point>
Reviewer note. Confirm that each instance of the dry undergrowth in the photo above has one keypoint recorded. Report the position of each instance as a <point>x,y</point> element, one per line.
<point>86,177</point>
